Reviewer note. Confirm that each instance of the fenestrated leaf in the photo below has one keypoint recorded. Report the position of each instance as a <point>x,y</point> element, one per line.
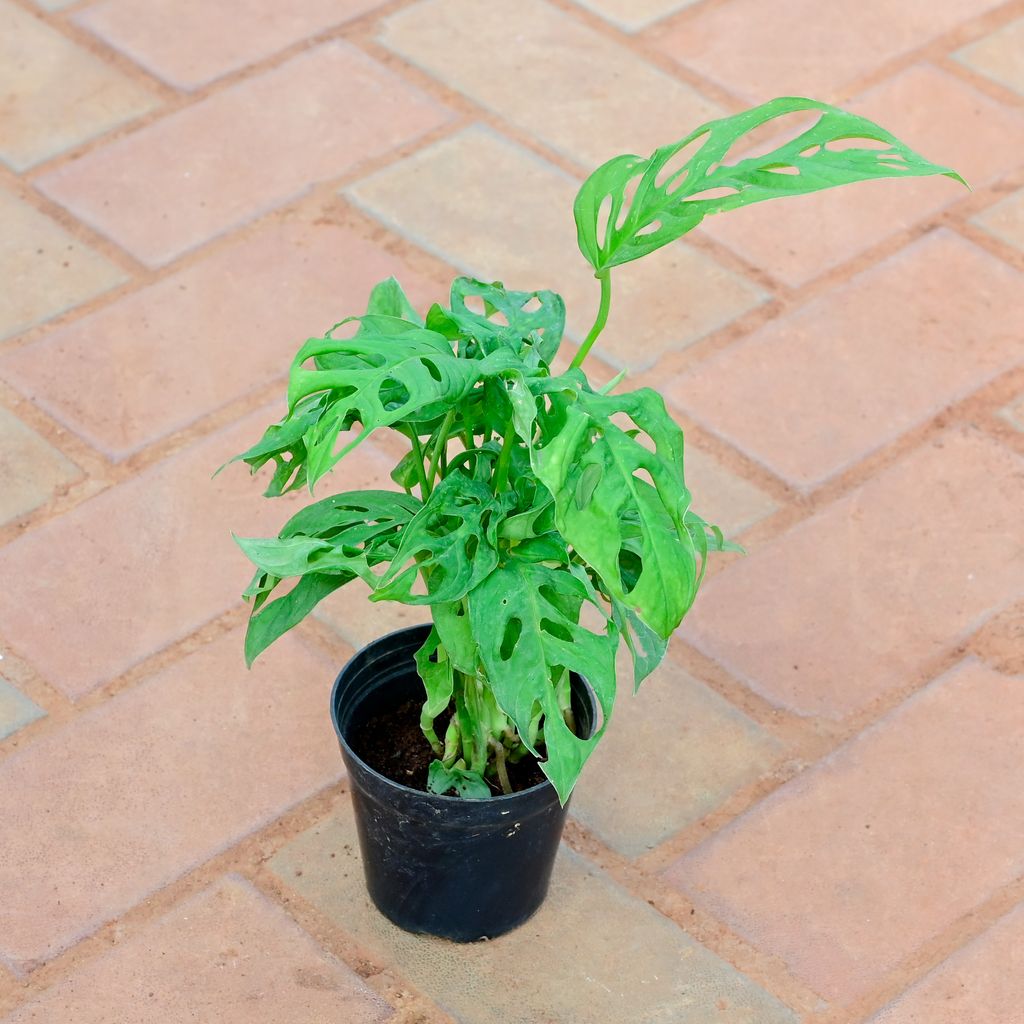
<point>614,229</point>
<point>526,619</point>
<point>412,374</point>
<point>622,505</point>
<point>327,545</point>
<point>452,541</point>
<point>284,443</point>
<point>509,319</point>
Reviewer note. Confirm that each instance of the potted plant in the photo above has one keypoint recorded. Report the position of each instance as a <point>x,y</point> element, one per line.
<point>542,520</point>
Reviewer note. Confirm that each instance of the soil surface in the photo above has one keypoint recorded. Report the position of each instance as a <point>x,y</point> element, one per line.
<point>391,743</point>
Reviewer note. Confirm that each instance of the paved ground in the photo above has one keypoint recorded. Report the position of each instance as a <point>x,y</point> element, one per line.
<point>816,811</point>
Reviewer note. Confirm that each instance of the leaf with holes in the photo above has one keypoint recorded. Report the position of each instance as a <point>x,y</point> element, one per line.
<point>451,543</point>
<point>526,619</point>
<point>622,505</point>
<point>413,374</point>
<point>284,444</point>
<point>632,205</point>
<point>326,545</point>
<point>507,319</point>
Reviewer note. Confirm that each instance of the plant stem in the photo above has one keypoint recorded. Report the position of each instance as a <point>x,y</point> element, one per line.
<point>602,318</point>
<point>563,689</point>
<point>420,472</point>
<point>499,758</point>
<point>442,441</point>
<point>505,458</point>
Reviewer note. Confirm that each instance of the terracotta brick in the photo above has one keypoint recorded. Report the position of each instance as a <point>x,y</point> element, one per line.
<point>812,393</point>
<point>168,354</point>
<point>16,710</point>
<point>672,754</point>
<point>633,15</point>
<point>983,983</point>
<point>499,212</point>
<point>796,51</point>
<point>46,270</point>
<point>358,621</point>
<point>557,968</point>
<point>242,151</point>
<point>55,94</point>
<point>851,867</point>
<point>525,60</point>
<point>32,471</point>
<point>1005,220</point>
<point>722,497</point>
<point>848,605</point>
<point>191,43</point>
<point>234,950</point>
<point>172,520</point>
<point>936,114</point>
<point>999,55</point>
<point>139,790</point>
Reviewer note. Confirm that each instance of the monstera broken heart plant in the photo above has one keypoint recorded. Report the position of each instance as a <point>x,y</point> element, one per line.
<point>541,520</point>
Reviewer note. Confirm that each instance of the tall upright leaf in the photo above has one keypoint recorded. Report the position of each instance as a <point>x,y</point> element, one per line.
<point>614,228</point>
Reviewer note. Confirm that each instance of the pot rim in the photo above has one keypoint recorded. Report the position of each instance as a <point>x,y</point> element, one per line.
<point>453,800</point>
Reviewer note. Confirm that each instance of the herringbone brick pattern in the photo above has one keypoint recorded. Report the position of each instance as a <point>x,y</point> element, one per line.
<point>814,813</point>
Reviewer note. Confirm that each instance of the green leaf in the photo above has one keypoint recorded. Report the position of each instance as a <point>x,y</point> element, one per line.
<point>622,504</point>
<point>284,444</point>
<point>279,616</point>
<point>513,320</point>
<point>387,378</point>
<point>645,646</point>
<point>525,616</point>
<point>436,671</point>
<point>455,633</point>
<point>387,298</point>
<point>452,541</point>
<point>467,784</point>
<point>668,201</point>
<point>327,545</point>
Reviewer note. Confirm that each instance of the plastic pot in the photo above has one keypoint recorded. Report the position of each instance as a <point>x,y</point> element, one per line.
<point>460,869</point>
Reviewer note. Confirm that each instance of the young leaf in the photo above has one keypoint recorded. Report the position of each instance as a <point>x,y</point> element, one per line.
<point>509,319</point>
<point>435,669</point>
<point>388,299</point>
<point>526,619</point>
<point>661,211</point>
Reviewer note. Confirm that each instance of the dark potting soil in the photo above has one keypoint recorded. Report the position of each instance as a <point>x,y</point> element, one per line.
<point>392,743</point>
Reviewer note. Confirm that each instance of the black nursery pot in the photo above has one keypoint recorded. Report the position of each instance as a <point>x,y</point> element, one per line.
<point>441,865</point>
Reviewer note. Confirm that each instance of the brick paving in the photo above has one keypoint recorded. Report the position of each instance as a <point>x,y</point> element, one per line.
<point>814,816</point>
